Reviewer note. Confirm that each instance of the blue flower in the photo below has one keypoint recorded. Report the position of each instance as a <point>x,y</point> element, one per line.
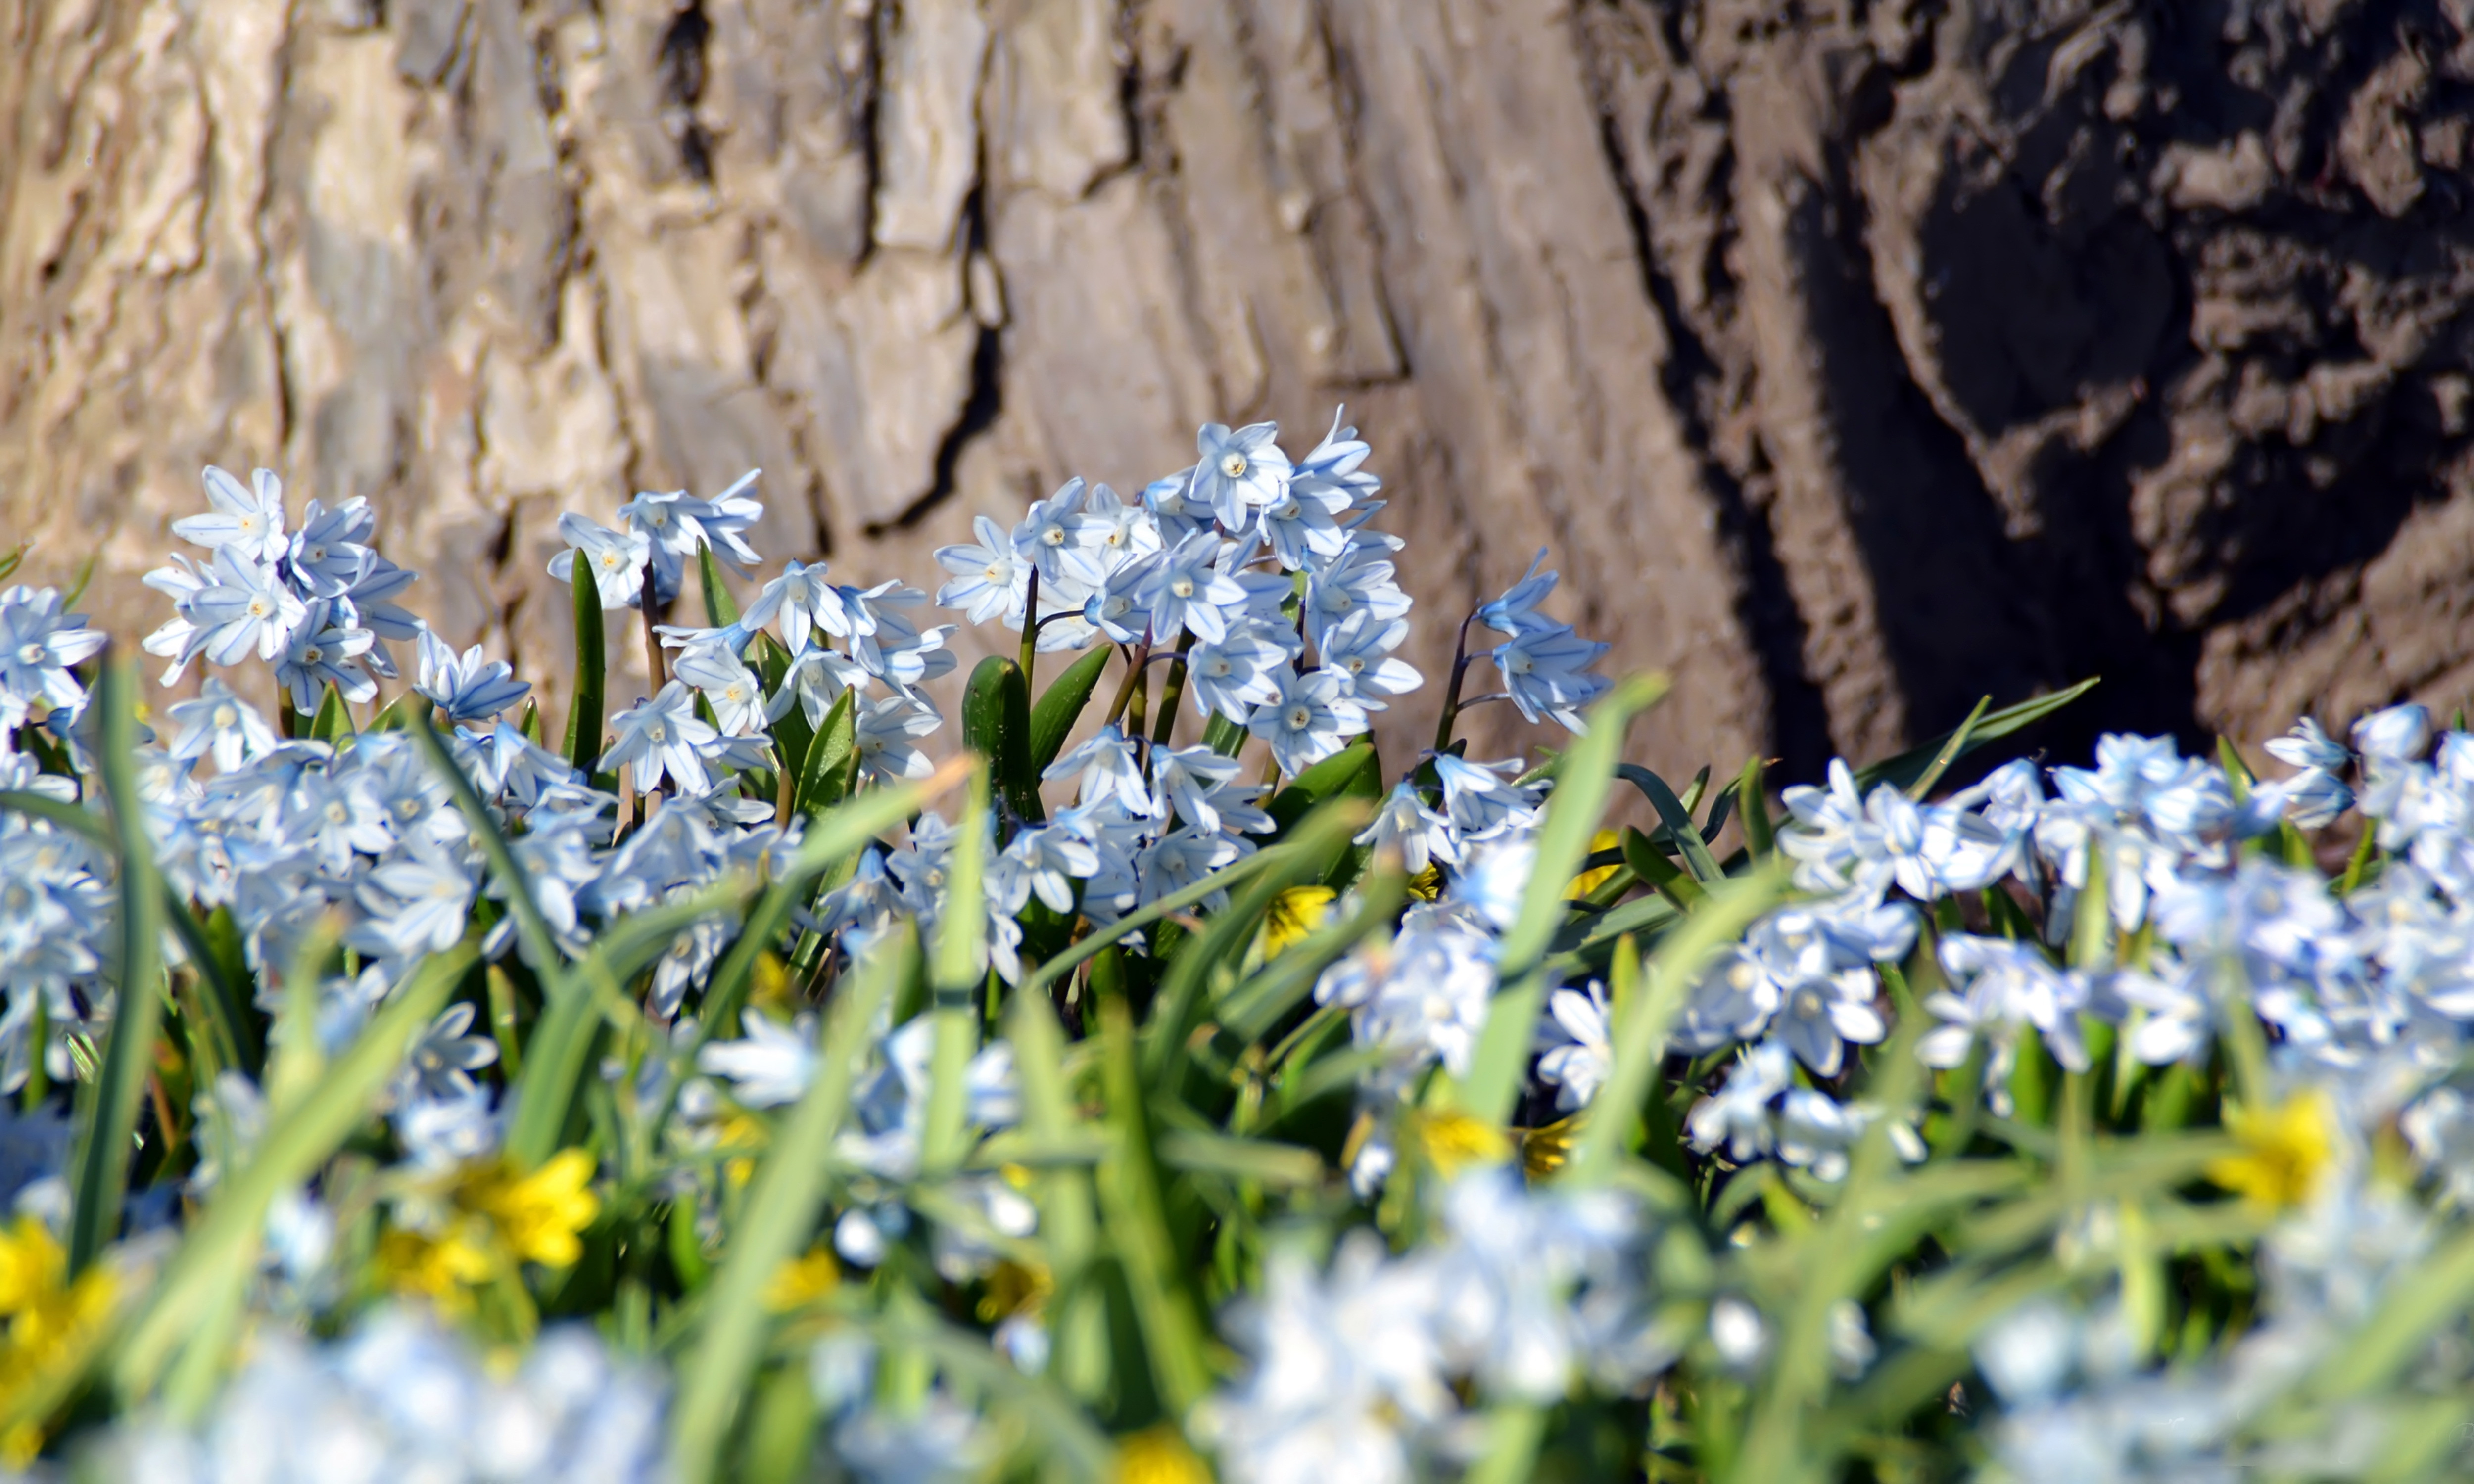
<point>1183,780</point>
<point>220,723</point>
<point>990,581</point>
<point>37,645</point>
<point>2308,746</point>
<point>416,903</point>
<point>1359,648</point>
<point>1308,720</point>
<point>1406,825</point>
<point>816,679</point>
<point>663,737</point>
<point>802,599</point>
<point>736,694</point>
<point>249,520</point>
<point>1104,767</point>
<point>617,559</point>
<point>1189,592</point>
<point>1547,672</point>
<point>244,604</point>
<point>1517,610</point>
<point>1237,673</point>
<point>885,730</point>
<point>1239,473</point>
<point>469,689</point>
<point>902,656</point>
<point>2398,735</point>
<point>322,651</point>
<point>1053,536</point>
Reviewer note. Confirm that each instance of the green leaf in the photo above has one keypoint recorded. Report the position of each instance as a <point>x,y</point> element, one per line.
<point>1352,770</point>
<point>1060,706</point>
<point>1583,780</point>
<point>532,929</point>
<point>391,716</point>
<point>1224,736</point>
<point>996,725</point>
<point>1278,1165</point>
<point>1903,770</point>
<point>1137,1222</point>
<point>1677,817</point>
<point>832,760</point>
<point>1753,802</point>
<point>334,725</point>
<point>1959,743</point>
<point>1132,923</point>
<point>1652,865</point>
<point>959,965</point>
<point>592,672</point>
<point>721,609</point>
<point>783,1204</point>
<point>221,1249</point>
<point>102,1161</point>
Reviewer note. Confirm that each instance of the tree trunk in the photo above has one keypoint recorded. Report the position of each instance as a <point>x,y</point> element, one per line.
<point>1851,360</point>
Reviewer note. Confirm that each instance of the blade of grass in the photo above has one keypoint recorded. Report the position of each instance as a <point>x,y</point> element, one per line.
<point>721,609</point>
<point>783,1204</point>
<point>1677,817</point>
<point>221,1249</point>
<point>591,674</point>
<point>995,724</point>
<point>1906,767</point>
<point>101,1161</point>
<point>1129,1193</point>
<point>1752,800</point>
<point>532,929</point>
<point>1583,780</point>
<point>956,970</point>
<point>1640,1029</point>
<point>833,758</point>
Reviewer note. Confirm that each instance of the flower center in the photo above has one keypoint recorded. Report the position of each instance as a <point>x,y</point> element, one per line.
<point>407,808</point>
<point>1232,464</point>
<point>1053,536</point>
<point>317,553</point>
<point>1299,718</point>
<point>996,572</point>
<point>312,654</point>
<point>1184,586</point>
<point>657,732</point>
<point>610,559</point>
<point>257,607</point>
<point>337,814</point>
<point>31,653</point>
<point>226,718</point>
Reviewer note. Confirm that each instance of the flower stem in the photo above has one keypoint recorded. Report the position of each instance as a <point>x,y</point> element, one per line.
<point>654,665</point>
<point>1029,628</point>
<point>1142,656</point>
<point>1172,691</point>
<point>1452,695</point>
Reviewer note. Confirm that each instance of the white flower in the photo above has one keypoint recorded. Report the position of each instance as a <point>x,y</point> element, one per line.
<point>663,737</point>
<point>37,645</point>
<point>770,1065</point>
<point>1579,1045</point>
<point>617,559</point>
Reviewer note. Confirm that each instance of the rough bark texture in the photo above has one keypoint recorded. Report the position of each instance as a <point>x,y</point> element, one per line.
<point>1852,359</point>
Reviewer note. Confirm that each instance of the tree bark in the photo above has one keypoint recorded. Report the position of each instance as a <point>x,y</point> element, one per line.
<point>1850,361</point>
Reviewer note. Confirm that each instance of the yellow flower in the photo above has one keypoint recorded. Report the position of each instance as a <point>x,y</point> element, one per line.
<point>1015,1288</point>
<point>2285,1150</point>
<point>541,1214</point>
<point>51,1322</point>
<point>739,1131</point>
<point>1544,1150</point>
<point>802,1280</point>
<point>1589,881</point>
<point>1454,1141</point>
<point>770,984</point>
<point>31,1265</point>
<point>1158,1455</point>
<point>1427,885</point>
<point>439,1268</point>
<point>1294,913</point>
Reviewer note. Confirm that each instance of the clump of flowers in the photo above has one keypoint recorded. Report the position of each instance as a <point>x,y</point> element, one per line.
<point>714,1083</point>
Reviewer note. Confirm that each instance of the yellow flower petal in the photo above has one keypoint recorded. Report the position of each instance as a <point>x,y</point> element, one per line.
<point>1453,1142</point>
<point>1158,1455</point>
<point>2286,1149</point>
<point>1294,913</point>
<point>802,1280</point>
<point>1589,881</point>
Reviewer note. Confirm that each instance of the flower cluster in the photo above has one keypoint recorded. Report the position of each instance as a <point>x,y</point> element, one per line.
<point>2127,1111</point>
